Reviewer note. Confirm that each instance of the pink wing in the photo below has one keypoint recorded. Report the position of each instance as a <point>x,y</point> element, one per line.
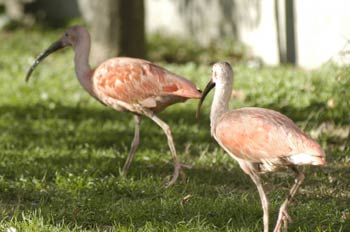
<point>256,134</point>
<point>134,80</point>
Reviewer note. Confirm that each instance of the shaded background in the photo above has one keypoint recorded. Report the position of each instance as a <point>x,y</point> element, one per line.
<point>298,32</point>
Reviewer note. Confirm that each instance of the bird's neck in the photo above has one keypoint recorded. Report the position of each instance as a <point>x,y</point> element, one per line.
<point>82,67</point>
<point>220,103</point>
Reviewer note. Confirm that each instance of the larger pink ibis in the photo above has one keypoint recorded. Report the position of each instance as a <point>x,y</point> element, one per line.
<point>126,84</point>
<point>260,140</point>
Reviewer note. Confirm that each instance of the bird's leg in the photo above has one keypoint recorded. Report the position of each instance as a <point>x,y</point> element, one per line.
<point>167,131</point>
<point>264,202</point>
<point>283,216</point>
<point>134,145</point>
<point>177,165</point>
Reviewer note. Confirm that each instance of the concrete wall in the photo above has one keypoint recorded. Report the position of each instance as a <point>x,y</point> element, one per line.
<point>322,28</point>
<point>323,31</point>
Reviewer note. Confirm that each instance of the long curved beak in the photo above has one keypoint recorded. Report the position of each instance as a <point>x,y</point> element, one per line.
<point>54,47</point>
<point>207,89</point>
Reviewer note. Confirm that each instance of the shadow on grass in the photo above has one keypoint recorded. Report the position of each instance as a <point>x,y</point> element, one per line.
<point>217,194</point>
<point>138,198</point>
<point>99,128</point>
<point>58,136</point>
<point>101,132</point>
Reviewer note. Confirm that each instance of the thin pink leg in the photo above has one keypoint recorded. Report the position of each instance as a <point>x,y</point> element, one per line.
<point>283,216</point>
<point>167,131</point>
<point>263,198</point>
<point>134,145</point>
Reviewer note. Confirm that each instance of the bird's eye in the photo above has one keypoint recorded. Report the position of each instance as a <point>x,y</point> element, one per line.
<point>66,34</point>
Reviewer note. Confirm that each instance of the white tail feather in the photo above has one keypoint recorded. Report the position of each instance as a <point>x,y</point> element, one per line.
<point>306,159</point>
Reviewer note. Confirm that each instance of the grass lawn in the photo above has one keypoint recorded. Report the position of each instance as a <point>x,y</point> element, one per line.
<point>61,151</point>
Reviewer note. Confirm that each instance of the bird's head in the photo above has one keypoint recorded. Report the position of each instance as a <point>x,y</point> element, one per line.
<point>222,74</point>
<point>69,38</point>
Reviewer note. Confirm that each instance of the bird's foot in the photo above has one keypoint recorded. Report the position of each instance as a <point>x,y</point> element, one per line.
<point>124,171</point>
<point>283,218</point>
<point>178,171</point>
<point>286,220</point>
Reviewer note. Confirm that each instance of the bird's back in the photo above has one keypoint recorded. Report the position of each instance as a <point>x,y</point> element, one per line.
<point>265,136</point>
<point>131,80</point>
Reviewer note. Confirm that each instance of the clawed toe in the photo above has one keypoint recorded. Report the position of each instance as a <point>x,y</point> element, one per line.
<point>286,219</point>
<point>283,217</point>
<point>176,174</point>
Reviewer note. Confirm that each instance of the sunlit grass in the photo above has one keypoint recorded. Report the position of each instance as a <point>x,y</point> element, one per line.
<point>61,151</point>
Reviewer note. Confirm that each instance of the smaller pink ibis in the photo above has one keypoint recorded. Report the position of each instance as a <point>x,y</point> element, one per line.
<point>126,84</point>
<point>260,140</point>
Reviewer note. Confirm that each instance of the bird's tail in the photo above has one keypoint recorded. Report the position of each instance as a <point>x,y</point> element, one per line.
<point>314,155</point>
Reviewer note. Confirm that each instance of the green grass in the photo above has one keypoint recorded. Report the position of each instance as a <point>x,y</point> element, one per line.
<point>61,152</point>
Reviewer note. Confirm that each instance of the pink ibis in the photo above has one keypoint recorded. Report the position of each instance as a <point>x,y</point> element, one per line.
<point>260,140</point>
<point>126,84</point>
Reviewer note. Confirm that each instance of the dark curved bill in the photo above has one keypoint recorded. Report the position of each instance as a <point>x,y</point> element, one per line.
<point>207,89</point>
<point>54,47</point>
